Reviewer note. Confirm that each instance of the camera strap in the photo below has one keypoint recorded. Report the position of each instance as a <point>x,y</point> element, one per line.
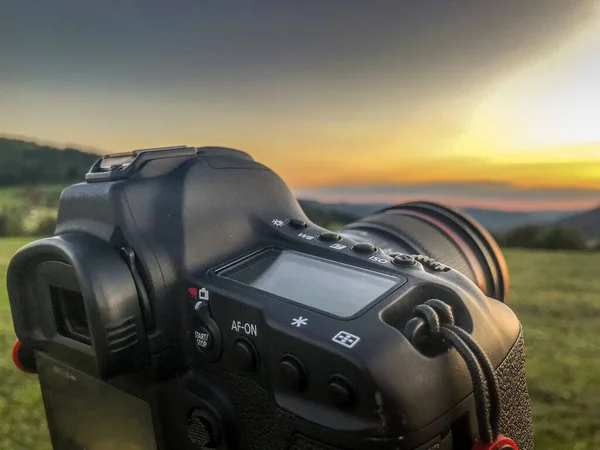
<point>441,326</point>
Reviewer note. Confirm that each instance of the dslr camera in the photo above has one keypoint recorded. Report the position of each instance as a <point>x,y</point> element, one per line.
<point>186,302</point>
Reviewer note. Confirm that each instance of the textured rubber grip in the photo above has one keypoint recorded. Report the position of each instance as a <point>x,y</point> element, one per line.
<point>515,417</point>
<point>262,425</point>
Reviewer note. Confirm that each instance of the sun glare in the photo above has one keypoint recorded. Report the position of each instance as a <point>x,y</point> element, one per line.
<point>544,111</point>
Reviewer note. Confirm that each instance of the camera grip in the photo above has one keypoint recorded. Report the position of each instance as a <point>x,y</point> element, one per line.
<point>515,416</point>
<point>261,424</point>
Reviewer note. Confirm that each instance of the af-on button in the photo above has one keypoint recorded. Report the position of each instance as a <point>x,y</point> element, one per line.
<point>244,355</point>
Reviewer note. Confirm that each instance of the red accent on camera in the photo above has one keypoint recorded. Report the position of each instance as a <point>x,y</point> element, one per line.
<point>15,357</point>
<point>500,443</point>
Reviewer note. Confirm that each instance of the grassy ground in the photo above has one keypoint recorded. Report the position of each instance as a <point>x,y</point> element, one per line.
<point>22,420</point>
<point>557,297</point>
<point>554,293</point>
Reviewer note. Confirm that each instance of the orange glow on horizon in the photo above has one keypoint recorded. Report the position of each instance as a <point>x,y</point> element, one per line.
<point>583,174</point>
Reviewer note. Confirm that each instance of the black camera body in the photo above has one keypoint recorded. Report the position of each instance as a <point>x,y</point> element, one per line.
<point>186,301</point>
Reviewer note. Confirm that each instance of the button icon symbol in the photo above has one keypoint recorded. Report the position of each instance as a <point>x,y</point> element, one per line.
<point>299,321</point>
<point>203,294</point>
<point>346,339</point>
<point>337,246</point>
<point>379,260</point>
<point>196,294</point>
<point>308,237</point>
<point>277,222</point>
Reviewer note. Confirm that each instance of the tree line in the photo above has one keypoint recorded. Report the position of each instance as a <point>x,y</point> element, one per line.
<point>548,237</point>
<point>27,163</point>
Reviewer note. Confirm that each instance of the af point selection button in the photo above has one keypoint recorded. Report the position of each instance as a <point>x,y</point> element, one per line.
<point>340,392</point>
<point>292,374</point>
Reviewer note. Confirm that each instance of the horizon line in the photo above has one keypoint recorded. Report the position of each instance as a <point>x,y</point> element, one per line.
<point>481,204</point>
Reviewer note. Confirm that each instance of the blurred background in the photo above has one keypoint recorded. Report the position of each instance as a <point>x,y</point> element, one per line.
<point>491,107</point>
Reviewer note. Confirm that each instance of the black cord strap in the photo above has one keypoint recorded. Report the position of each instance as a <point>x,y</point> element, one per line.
<point>490,375</point>
<point>440,321</point>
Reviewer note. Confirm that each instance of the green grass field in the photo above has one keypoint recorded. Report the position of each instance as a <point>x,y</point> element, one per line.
<point>556,294</point>
<point>22,420</point>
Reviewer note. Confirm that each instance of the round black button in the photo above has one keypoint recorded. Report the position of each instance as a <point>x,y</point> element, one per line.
<point>364,247</point>
<point>203,338</point>
<point>340,392</point>
<point>292,374</point>
<point>244,355</point>
<point>297,223</point>
<point>329,236</point>
<point>404,260</point>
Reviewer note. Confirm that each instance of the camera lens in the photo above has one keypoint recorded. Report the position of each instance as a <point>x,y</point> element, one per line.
<point>445,234</point>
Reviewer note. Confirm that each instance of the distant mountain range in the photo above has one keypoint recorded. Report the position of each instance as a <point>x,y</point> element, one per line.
<point>499,220</point>
<point>586,222</point>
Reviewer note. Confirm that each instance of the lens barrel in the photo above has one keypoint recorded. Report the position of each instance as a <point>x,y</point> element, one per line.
<point>443,233</point>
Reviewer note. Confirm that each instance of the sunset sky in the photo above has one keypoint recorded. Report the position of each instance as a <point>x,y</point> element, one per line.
<point>475,103</point>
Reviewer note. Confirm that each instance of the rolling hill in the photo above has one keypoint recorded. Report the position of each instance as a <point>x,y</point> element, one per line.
<point>499,220</point>
<point>491,219</point>
<point>587,223</point>
<point>23,162</point>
